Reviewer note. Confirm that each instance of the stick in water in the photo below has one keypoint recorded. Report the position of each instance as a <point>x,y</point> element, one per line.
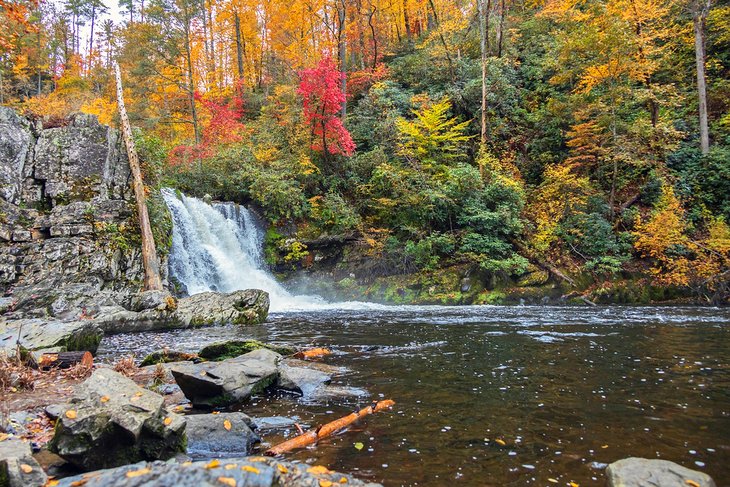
<point>314,435</point>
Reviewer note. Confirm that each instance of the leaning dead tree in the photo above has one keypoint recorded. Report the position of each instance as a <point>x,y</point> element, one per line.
<point>152,281</point>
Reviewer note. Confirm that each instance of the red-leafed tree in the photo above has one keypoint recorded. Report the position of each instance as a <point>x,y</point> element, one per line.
<point>320,87</point>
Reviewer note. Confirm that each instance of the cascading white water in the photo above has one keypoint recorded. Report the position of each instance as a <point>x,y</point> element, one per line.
<point>219,248</point>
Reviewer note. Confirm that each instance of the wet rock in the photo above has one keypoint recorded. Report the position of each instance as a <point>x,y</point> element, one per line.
<point>205,309</point>
<point>640,472</point>
<point>36,334</point>
<point>157,300</point>
<point>18,468</point>
<point>110,421</point>
<point>235,348</point>
<point>227,382</point>
<point>273,423</point>
<point>239,307</point>
<point>251,472</point>
<point>305,381</point>
<point>16,142</point>
<point>222,435</point>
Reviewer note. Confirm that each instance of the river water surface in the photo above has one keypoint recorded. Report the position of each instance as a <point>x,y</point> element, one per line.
<point>503,395</point>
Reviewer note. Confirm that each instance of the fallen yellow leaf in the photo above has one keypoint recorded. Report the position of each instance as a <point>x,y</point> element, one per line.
<point>138,473</point>
<point>228,481</point>
<point>691,483</point>
<point>231,466</point>
<point>343,480</point>
<point>138,393</point>
<point>249,468</point>
<point>325,483</point>
<point>215,412</point>
<point>213,464</point>
<point>227,425</point>
<point>71,414</point>
<point>318,469</point>
<point>79,483</point>
<point>282,468</point>
<point>573,484</point>
<point>257,459</point>
<point>604,446</point>
<point>186,464</point>
<point>104,399</point>
<point>553,481</point>
<point>26,468</point>
<point>167,421</point>
<point>52,483</point>
<point>500,441</point>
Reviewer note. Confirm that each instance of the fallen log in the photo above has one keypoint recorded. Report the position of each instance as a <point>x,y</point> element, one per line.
<point>63,360</point>
<point>316,434</point>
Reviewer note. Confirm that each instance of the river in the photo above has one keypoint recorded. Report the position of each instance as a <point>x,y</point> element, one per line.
<point>503,395</point>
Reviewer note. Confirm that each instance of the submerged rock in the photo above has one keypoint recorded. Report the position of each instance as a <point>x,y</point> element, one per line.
<point>168,356</point>
<point>222,435</point>
<point>640,472</point>
<point>235,348</point>
<point>250,472</point>
<point>227,382</point>
<point>111,421</point>
<point>36,334</point>
<point>18,468</point>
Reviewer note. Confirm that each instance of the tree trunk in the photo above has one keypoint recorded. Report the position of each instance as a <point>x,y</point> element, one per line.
<point>91,37</point>
<point>239,46</point>
<point>407,19</point>
<point>375,37</point>
<point>342,51</point>
<point>701,10</point>
<point>483,6</point>
<point>152,281</point>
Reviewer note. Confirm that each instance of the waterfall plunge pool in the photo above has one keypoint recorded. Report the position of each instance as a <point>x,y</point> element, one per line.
<point>567,390</point>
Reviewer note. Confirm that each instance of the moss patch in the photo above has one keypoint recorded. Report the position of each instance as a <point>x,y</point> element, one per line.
<point>225,350</point>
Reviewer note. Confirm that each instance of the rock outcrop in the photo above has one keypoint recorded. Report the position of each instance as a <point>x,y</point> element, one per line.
<point>111,421</point>
<point>251,472</point>
<point>228,382</point>
<point>67,229</point>
<point>18,468</point>
<point>639,472</point>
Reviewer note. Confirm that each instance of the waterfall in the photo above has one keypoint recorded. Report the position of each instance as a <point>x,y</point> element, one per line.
<point>219,247</point>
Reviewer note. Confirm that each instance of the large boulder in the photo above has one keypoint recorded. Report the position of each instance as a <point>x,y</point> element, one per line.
<point>224,435</point>
<point>250,306</point>
<point>16,142</point>
<point>18,468</point>
<point>640,472</point>
<point>228,382</point>
<point>37,334</point>
<point>249,472</point>
<point>111,421</point>
<point>303,380</point>
<point>246,307</point>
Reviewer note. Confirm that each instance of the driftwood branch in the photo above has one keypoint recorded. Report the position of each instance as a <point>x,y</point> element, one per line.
<point>316,434</point>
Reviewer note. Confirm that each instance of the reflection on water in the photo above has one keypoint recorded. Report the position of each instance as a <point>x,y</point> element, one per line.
<point>506,395</point>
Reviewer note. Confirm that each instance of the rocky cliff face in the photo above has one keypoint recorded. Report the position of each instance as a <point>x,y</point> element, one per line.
<point>68,237</point>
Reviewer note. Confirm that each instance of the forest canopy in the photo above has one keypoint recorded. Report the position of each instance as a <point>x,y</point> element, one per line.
<point>591,136</point>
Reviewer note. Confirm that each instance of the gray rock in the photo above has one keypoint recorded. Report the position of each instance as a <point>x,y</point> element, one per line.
<point>229,381</point>
<point>239,307</point>
<point>642,472</point>
<point>16,141</point>
<point>36,334</point>
<point>304,381</point>
<point>115,423</point>
<point>15,459</point>
<point>208,436</point>
<point>156,300</point>
<point>249,472</point>
<point>273,423</point>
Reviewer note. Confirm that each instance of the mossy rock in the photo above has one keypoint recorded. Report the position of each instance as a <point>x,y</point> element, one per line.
<point>225,350</point>
<point>167,356</point>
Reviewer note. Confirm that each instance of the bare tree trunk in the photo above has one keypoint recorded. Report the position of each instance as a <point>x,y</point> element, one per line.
<point>500,34</point>
<point>342,51</point>
<point>441,37</point>
<point>375,37</point>
<point>484,6</point>
<point>699,15</point>
<point>239,46</point>
<point>191,82</point>
<point>407,19</point>
<point>152,281</point>
<point>91,37</point>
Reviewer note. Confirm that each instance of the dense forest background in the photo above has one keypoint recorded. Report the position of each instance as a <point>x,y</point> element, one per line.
<point>591,137</point>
